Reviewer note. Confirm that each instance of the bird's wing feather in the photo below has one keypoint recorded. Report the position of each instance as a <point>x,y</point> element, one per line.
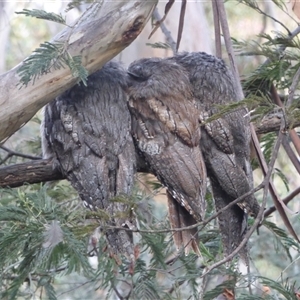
<point>88,128</point>
<point>177,165</point>
<point>179,219</point>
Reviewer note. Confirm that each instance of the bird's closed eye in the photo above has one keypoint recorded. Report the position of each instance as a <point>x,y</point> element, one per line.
<point>137,77</point>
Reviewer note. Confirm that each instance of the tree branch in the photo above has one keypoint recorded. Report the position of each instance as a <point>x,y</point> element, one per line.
<point>101,33</point>
<point>286,200</point>
<point>271,122</point>
<point>41,170</point>
<point>19,154</point>
<point>218,43</point>
<point>35,171</point>
<point>165,30</point>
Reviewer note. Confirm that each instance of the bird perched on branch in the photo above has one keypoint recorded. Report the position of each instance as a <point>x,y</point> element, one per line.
<point>165,127</point>
<point>225,143</point>
<point>87,131</point>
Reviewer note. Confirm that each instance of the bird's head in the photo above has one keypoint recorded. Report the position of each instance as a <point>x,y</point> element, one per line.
<point>143,69</point>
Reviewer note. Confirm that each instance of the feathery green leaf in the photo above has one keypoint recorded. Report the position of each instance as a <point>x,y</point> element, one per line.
<point>41,14</point>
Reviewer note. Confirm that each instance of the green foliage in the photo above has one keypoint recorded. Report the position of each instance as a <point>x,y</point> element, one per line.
<point>287,243</point>
<point>286,289</point>
<point>219,289</point>
<point>46,283</point>
<point>159,45</point>
<point>42,237</point>
<point>284,179</point>
<point>27,252</point>
<point>255,6</point>
<point>41,14</point>
<point>44,231</point>
<point>76,3</point>
<point>267,142</point>
<point>50,56</point>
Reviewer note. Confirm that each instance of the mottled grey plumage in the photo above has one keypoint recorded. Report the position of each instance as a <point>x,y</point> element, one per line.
<point>225,142</point>
<point>165,127</point>
<point>87,130</point>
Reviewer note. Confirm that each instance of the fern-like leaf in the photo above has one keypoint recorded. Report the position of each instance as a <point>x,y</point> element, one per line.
<point>47,56</point>
<point>41,14</point>
<point>40,62</point>
<point>159,45</point>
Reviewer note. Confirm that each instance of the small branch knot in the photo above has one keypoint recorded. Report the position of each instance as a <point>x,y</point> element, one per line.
<point>134,30</point>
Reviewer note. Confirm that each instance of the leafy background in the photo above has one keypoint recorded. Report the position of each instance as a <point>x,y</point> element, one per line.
<point>74,268</point>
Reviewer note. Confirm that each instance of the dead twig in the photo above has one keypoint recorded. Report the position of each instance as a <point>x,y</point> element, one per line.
<point>171,42</point>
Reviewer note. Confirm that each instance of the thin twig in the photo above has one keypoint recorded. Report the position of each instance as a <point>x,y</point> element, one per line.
<point>217,29</point>
<point>2,161</point>
<point>167,9</point>
<point>283,46</point>
<point>249,279</point>
<point>176,286</point>
<point>291,154</point>
<point>286,200</point>
<point>203,223</point>
<point>292,133</point>
<point>255,7</point>
<point>295,140</point>
<point>19,154</point>
<point>293,88</point>
<point>118,293</point>
<point>228,44</point>
<point>75,288</point>
<point>181,23</point>
<point>290,264</point>
<point>165,31</point>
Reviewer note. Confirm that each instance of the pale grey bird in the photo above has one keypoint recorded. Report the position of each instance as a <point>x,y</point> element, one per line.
<point>165,127</point>
<point>87,132</point>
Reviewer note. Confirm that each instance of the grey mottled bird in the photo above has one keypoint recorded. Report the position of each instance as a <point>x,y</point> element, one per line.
<point>225,143</point>
<point>87,131</point>
<point>165,126</point>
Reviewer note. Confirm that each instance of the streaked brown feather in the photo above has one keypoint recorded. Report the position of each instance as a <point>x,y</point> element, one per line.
<point>166,131</point>
<point>225,142</point>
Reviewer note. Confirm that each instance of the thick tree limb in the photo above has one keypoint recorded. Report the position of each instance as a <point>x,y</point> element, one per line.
<point>102,32</point>
<point>37,171</point>
<point>41,170</point>
<point>34,171</point>
<point>271,122</point>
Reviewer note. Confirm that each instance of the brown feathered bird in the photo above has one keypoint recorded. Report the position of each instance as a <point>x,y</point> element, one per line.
<point>165,126</point>
<point>87,131</point>
<point>225,143</point>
